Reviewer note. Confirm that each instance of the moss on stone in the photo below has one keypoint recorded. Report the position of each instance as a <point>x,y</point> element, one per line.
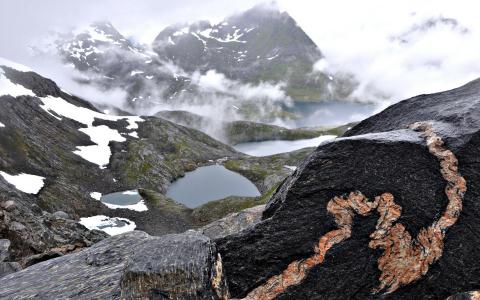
<point>162,202</point>
<point>218,209</point>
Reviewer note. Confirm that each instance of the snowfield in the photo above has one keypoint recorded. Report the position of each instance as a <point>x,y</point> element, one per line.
<point>266,148</point>
<point>100,153</point>
<point>96,195</point>
<point>111,226</point>
<point>30,184</point>
<point>9,88</point>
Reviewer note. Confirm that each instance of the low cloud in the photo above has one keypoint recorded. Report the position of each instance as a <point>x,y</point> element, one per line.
<point>70,80</point>
<point>395,49</point>
<point>218,82</point>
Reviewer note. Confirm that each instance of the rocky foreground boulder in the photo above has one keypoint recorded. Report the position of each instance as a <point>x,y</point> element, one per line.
<point>389,211</point>
<point>129,266</point>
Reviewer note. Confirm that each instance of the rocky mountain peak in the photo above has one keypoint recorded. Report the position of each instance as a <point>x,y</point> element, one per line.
<point>260,45</point>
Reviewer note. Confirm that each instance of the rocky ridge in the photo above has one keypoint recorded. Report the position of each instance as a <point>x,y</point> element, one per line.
<point>236,132</point>
<point>124,268</point>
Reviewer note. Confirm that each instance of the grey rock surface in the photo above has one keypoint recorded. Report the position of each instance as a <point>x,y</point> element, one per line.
<point>128,266</point>
<point>90,274</point>
<point>9,268</point>
<point>61,215</point>
<point>177,266</point>
<point>233,223</point>
<point>4,246</point>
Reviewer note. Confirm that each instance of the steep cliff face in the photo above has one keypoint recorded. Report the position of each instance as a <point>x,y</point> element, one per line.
<point>388,212</point>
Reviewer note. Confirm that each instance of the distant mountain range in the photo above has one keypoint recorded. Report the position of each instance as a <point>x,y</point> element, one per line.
<point>260,45</point>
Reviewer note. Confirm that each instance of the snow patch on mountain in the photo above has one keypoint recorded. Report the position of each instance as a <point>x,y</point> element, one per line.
<point>101,135</point>
<point>30,184</point>
<point>135,72</point>
<point>111,226</point>
<point>96,195</point>
<point>140,206</point>
<point>7,87</point>
<point>100,153</point>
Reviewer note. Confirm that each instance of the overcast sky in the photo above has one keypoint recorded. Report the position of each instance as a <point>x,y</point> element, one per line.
<point>355,36</point>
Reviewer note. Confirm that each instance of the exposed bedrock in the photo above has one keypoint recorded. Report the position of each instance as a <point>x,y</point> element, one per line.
<point>423,222</point>
<point>177,266</point>
<point>128,266</point>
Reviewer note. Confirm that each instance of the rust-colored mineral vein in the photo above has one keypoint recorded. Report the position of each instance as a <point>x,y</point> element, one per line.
<point>344,210</point>
<point>218,280</point>
<point>404,260</point>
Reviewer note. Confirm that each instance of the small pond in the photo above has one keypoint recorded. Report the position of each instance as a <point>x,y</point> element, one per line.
<point>128,200</point>
<point>210,183</point>
<point>122,198</point>
<point>266,148</point>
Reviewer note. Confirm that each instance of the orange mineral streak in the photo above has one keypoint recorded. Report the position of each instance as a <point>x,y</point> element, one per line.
<point>344,209</point>
<point>404,259</point>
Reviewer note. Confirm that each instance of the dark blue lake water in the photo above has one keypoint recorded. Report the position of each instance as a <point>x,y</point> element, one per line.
<point>210,183</point>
